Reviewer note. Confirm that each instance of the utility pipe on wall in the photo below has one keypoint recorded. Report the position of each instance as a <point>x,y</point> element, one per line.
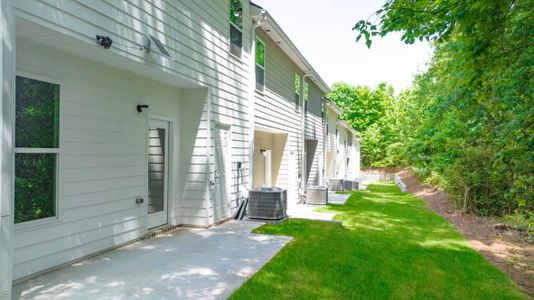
<point>209,152</point>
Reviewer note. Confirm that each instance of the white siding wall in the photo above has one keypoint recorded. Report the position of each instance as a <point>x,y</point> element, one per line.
<point>314,129</point>
<point>350,156</point>
<point>357,161</point>
<point>332,144</point>
<point>194,203</point>
<point>342,153</point>
<point>99,122</point>
<point>197,35</point>
<point>354,155</point>
<point>275,109</point>
<point>102,169</point>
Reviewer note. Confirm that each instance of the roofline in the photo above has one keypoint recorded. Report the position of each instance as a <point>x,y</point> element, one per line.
<point>300,59</point>
<point>255,5</point>
<point>348,127</point>
<point>334,107</point>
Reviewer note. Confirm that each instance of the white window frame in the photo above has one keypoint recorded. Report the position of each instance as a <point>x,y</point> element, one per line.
<point>306,96</point>
<point>264,62</point>
<point>57,151</point>
<point>230,33</point>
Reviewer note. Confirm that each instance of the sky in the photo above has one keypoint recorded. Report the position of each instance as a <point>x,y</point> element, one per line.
<point>322,30</point>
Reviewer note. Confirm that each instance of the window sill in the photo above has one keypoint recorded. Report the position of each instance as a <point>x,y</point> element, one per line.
<point>260,92</point>
<point>32,225</point>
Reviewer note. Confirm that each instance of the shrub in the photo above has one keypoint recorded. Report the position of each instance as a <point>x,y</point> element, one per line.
<point>475,185</point>
<point>523,221</point>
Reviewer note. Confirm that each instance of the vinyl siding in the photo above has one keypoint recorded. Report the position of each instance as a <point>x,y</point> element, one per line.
<point>332,144</point>
<point>197,35</point>
<point>354,155</point>
<point>314,130</point>
<point>342,153</point>
<point>275,110</point>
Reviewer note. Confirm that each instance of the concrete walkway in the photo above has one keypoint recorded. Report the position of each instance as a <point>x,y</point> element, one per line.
<point>339,199</point>
<point>304,211</point>
<point>184,264</point>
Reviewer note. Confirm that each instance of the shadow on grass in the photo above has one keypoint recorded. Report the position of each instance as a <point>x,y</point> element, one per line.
<point>389,246</point>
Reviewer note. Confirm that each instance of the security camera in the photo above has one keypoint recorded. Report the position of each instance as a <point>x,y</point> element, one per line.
<point>104,41</point>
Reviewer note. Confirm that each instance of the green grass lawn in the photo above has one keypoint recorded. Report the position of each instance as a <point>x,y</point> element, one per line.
<point>390,246</point>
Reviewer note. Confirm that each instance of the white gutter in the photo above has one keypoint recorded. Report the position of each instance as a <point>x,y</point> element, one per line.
<point>349,128</point>
<point>278,35</point>
<point>255,25</point>
<point>331,105</point>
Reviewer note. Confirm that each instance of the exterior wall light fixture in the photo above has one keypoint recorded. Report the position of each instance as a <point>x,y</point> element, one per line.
<point>141,108</point>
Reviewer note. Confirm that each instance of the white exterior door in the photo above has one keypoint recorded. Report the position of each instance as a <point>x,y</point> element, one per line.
<point>223,175</point>
<point>158,173</point>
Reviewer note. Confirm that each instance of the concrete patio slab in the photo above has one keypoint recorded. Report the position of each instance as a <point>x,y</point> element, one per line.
<point>303,211</point>
<point>184,264</point>
<point>340,199</point>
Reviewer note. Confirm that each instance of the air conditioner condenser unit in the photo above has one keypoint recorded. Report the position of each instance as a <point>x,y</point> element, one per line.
<point>317,195</point>
<point>267,203</point>
<point>336,185</point>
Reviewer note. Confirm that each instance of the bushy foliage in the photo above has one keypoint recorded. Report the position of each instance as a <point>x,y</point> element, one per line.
<point>468,120</point>
<point>35,186</point>
<point>474,184</point>
<point>372,112</point>
<point>523,221</point>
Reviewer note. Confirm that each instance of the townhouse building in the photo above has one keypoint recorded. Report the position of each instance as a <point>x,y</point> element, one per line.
<point>342,150</point>
<point>123,116</point>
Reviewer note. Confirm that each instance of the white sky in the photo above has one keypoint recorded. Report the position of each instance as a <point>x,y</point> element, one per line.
<point>322,30</point>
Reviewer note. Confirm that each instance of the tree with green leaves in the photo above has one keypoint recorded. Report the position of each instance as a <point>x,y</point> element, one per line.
<point>472,113</point>
<point>369,111</point>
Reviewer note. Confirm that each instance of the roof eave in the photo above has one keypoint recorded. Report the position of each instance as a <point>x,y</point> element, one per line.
<point>348,127</point>
<point>330,104</point>
<point>288,47</point>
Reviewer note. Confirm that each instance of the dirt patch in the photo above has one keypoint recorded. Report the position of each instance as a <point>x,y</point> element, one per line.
<point>504,248</point>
